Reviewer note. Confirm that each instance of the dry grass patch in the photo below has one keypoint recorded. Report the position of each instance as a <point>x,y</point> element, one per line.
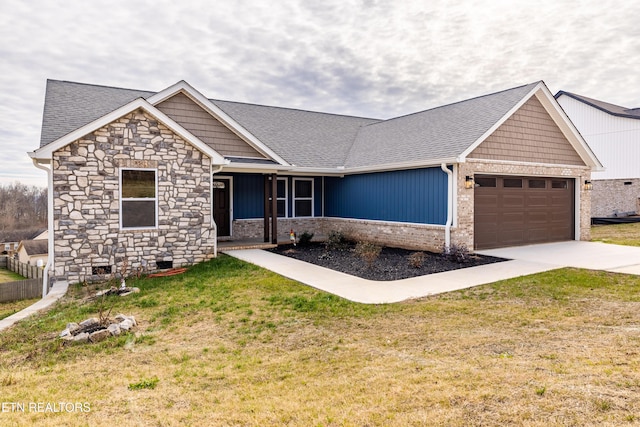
<point>9,276</point>
<point>231,344</point>
<point>619,234</point>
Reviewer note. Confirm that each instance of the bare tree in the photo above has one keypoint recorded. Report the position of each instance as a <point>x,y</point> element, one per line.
<point>22,207</point>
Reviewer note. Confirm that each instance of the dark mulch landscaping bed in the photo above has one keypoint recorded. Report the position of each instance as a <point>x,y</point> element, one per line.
<point>392,263</point>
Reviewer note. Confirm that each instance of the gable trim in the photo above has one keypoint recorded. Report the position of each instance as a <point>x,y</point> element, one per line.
<point>567,127</point>
<point>463,156</point>
<point>218,114</point>
<point>46,152</point>
<point>558,116</point>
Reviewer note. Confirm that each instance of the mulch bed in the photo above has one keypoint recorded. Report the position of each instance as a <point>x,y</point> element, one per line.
<point>392,264</point>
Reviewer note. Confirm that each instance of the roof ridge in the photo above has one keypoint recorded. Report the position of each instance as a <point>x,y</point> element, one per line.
<point>102,86</point>
<point>457,102</point>
<point>604,106</point>
<point>296,109</point>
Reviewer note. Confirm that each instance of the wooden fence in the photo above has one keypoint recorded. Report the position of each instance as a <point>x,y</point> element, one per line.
<point>25,270</point>
<point>22,289</point>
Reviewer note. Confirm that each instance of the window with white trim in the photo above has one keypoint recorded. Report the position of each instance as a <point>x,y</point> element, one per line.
<point>282,197</point>
<point>138,198</point>
<point>302,197</point>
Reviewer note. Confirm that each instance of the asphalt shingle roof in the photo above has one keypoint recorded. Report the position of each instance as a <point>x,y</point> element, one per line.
<point>302,138</point>
<point>69,106</point>
<point>306,138</point>
<point>616,110</point>
<point>439,133</point>
<point>36,247</point>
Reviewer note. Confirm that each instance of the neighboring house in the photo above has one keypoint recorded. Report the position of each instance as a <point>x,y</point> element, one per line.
<point>613,133</point>
<point>33,252</point>
<point>159,178</point>
<point>10,240</point>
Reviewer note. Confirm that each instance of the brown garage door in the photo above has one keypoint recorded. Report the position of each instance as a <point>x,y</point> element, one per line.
<point>512,210</point>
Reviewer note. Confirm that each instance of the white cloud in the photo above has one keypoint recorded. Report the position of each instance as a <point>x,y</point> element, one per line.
<point>375,58</point>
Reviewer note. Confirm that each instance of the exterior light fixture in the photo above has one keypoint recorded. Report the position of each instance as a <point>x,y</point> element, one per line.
<point>468,182</point>
<point>588,185</point>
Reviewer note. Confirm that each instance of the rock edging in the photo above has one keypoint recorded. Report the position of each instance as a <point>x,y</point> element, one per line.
<point>92,330</point>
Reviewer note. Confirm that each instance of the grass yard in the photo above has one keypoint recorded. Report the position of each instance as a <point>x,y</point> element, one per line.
<point>229,343</point>
<point>9,276</point>
<point>619,234</point>
<point>9,308</point>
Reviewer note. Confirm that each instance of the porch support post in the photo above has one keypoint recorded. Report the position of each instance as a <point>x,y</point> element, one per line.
<point>274,209</point>
<point>266,208</point>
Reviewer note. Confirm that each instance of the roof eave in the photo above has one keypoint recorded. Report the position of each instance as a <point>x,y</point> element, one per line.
<point>569,130</point>
<point>215,111</point>
<point>46,153</point>
<point>560,118</point>
<point>461,158</point>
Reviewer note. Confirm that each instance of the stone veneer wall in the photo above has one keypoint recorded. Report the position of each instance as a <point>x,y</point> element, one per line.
<point>463,233</point>
<point>611,195</point>
<point>87,207</point>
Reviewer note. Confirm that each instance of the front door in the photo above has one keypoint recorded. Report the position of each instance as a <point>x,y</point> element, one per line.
<point>221,206</point>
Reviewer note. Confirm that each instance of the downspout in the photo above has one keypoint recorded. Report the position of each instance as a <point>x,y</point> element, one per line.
<point>51,247</point>
<point>213,221</point>
<point>447,226</point>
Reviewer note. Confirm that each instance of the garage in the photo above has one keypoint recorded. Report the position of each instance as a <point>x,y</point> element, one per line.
<point>520,210</point>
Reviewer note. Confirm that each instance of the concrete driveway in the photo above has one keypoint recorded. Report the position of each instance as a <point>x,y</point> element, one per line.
<point>524,260</point>
<point>591,255</point>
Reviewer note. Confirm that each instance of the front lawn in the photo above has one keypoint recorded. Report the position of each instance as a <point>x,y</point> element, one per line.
<point>228,343</point>
<point>619,234</point>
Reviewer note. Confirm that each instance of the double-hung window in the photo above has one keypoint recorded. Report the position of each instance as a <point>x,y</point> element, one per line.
<point>138,198</point>
<point>282,197</point>
<point>302,197</point>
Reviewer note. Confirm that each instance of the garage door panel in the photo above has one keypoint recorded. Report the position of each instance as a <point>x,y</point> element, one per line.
<point>508,215</point>
<point>512,219</point>
<point>513,201</point>
<point>537,200</point>
<point>537,217</point>
<point>511,236</point>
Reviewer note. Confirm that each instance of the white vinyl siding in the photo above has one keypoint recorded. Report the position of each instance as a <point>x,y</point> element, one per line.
<point>614,140</point>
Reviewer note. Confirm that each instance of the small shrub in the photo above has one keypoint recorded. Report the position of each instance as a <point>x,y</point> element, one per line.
<point>457,253</point>
<point>142,384</point>
<point>305,238</point>
<point>337,241</point>
<point>416,259</point>
<point>368,251</point>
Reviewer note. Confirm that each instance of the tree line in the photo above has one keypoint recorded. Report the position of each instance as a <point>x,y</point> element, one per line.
<point>22,207</point>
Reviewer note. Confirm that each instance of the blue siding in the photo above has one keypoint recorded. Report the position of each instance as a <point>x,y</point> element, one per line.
<point>248,196</point>
<point>417,196</point>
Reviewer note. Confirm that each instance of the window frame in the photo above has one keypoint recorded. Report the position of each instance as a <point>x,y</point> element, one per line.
<point>310,199</point>
<point>139,199</point>
<point>285,198</point>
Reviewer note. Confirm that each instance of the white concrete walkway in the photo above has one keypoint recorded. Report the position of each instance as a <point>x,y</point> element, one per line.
<point>524,260</point>
<point>375,292</point>
<point>57,291</point>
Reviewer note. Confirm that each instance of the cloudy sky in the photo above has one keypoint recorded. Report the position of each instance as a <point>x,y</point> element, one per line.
<point>373,58</point>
